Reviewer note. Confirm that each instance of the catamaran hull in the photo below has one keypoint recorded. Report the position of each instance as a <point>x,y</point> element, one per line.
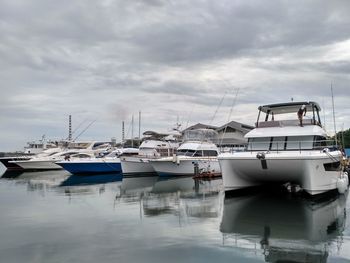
<point>313,172</point>
<point>178,167</point>
<point>86,167</point>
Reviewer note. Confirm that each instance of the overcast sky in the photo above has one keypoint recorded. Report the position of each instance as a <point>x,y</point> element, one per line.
<point>106,60</point>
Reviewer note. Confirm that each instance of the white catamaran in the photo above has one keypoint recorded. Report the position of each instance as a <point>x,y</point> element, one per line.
<point>286,150</point>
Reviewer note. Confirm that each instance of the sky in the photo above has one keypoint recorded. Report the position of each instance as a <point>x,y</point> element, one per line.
<point>175,61</point>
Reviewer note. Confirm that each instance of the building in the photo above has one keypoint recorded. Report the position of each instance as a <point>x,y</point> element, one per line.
<point>229,134</point>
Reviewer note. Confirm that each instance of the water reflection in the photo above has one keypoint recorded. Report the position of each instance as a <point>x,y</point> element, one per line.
<point>90,184</point>
<point>74,180</point>
<point>36,181</point>
<point>285,229</point>
<point>179,196</point>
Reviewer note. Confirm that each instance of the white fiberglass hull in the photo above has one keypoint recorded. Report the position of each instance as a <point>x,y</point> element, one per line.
<point>136,166</point>
<point>39,165</point>
<point>305,168</point>
<point>183,165</point>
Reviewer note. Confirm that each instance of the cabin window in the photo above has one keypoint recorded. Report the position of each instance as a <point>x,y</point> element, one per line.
<point>198,153</point>
<point>186,152</point>
<point>278,143</point>
<point>210,153</point>
<point>299,142</point>
<point>259,144</point>
<point>82,155</point>
<point>335,166</point>
<point>320,142</point>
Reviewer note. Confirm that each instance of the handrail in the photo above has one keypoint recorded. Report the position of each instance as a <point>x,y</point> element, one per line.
<point>288,145</point>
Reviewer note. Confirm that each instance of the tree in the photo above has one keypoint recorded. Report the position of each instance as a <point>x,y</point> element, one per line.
<point>346,135</point>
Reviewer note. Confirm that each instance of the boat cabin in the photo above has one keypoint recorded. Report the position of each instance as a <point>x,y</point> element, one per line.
<point>280,128</point>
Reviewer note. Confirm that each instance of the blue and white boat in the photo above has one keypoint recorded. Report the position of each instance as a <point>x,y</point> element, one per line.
<point>108,164</point>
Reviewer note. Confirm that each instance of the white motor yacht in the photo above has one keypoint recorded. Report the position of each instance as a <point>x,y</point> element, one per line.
<point>149,150</point>
<point>35,147</point>
<point>75,150</point>
<point>154,146</point>
<point>286,151</point>
<point>197,155</point>
<point>98,165</point>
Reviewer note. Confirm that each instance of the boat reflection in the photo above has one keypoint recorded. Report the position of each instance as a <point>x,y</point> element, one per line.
<point>134,188</point>
<point>89,184</point>
<point>36,181</point>
<point>92,179</point>
<point>180,196</point>
<point>185,196</point>
<point>284,229</point>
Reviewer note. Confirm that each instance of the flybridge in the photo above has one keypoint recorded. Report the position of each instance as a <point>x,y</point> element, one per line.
<point>271,110</point>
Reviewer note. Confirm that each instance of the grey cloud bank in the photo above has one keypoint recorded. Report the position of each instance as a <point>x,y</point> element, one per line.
<point>106,60</point>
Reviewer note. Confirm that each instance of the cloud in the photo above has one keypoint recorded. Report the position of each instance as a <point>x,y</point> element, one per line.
<point>107,60</point>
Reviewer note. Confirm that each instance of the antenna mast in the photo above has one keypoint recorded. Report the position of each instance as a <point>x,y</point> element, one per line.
<point>123,133</point>
<point>139,124</point>
<point>132,131</point>
<point>335,130</point>
<point>70,128</point>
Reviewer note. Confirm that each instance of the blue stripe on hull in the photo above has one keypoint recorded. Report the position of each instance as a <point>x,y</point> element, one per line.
<point>81,168</point>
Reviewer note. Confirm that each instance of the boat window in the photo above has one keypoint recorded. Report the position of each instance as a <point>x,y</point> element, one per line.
<point>335,166</point>
<point>81,155</point>
<point>320,142</point>
<point>278,143</point>
<point>259,144</point>
<point>299,142</point>
<point>165,152</point>
<point>185,152</point>
<point>52,153</point>
<point>68,154</point>
<point>198,153</point>
<point>210,153</point>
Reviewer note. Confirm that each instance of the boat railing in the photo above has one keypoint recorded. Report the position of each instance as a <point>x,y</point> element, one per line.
<point>284,123</point>
<point>292,145</point>
<point>232,148</point>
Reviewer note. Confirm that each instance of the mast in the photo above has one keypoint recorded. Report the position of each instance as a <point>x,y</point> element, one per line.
<point>132,131</point>
<point>342,137</point>
<point>139,124</point>
<point>123,133</point>
<point>70,128</point>
<point>335,130</point>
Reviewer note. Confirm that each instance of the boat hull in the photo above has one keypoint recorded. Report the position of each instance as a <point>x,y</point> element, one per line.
<point>38,165</point>
<point>186,166</point>
<point>10,165</point>
<point>136,166</point>
<point>242,170</point>
<point>91,167</point>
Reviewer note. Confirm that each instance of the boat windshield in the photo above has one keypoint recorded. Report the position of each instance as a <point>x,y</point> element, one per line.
<point>188,152</point>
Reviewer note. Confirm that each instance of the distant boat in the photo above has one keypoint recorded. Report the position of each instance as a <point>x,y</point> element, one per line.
<point>197,155</point>
<point>35,147</point>
<point>75,150</point>
<point>10,161</point>
<point>154,146</point>
<point>281,151</point>
<point>108,164</point>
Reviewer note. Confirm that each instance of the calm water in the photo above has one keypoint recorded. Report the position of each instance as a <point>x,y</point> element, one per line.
<point>55,217</point>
